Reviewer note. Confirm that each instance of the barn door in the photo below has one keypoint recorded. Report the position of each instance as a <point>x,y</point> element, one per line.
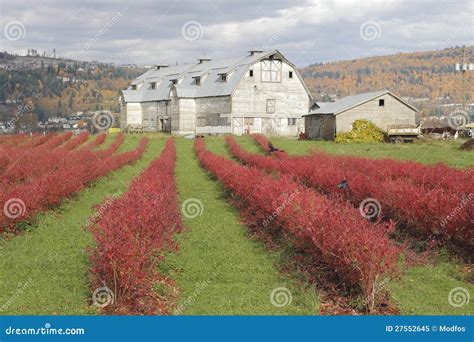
<point>267,126</point>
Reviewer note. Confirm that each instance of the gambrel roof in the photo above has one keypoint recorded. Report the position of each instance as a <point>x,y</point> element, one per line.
<point>185,75</point>
<point>349,102</point>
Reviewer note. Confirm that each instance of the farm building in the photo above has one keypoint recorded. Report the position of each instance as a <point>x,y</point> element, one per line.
<point>383,108</point>
<point>258,93</point>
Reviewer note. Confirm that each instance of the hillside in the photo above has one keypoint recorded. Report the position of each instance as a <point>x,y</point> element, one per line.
<point>427,79</point>
<point>59,87</point>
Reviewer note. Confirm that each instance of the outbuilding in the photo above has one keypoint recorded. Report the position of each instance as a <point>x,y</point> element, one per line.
<point>383,108</point>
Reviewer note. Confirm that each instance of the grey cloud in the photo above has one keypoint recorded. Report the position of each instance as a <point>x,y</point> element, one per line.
<point>149,32</point>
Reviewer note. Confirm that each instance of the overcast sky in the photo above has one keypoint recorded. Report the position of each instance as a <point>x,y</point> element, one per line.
<point>151,32</point>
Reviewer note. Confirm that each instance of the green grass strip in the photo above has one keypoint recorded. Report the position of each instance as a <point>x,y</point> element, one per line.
<point>44,270</point>
<point>220,269</point>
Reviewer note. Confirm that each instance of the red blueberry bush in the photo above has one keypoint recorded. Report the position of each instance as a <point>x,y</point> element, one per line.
<point>264,144</point>
<point>130,234</point>
<point>439,212</point>
<point>56,175</point>
<point>334,232</point>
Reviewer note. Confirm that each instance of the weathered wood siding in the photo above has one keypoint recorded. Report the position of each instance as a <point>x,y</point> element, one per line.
<point>393,113</point>
<point>134,113</point>
<point>150,116</point>
<point>320,127</point>
<point>250,100</point>
<point>173,111</point>
<point>164,120</point>
<point>187,116</point>
<point>213,115</point>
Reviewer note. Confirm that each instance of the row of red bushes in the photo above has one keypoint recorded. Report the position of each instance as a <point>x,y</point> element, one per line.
<point>13,140</point>
<point>13,152</point>
<point>429,176</point>
<point>265,145</point>
<point>130,234</point>
<point>99,140</point>
<point>33,162</point>
<point>72,173</point>
<point>442,213</point>
<point>114,146</point>
<point>334,232</point>
<point>76,141</point>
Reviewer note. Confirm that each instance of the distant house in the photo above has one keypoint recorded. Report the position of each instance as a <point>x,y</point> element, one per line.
<point>261,92</point>
<point>383,108</point>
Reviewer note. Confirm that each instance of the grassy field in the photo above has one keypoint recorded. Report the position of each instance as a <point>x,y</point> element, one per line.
<point>421,289</point>
<point>220,267</point>
<point>44,270</point>
<point>427,152</point>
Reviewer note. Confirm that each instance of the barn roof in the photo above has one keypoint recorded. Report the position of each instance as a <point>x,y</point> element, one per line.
<point>349,102</point>
<point>185,75</point>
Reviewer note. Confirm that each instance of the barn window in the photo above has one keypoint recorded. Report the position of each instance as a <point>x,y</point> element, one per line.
<point>271,106</point>
<point>290,74</point>
<point>271,70</point>
<point>153,85</point>
<point>248,121</point>
<point>251,73</point>
<point>174,81</point>
<point>134,87</point>
<point>381,103</point>
<point>223,77</point>
<point>291,121</point>
<point>197,80</point>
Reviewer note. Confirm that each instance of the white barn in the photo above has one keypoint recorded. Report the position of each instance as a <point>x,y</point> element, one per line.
<point>259,93</point>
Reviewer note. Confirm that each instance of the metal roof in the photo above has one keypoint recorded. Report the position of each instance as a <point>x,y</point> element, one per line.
<point>210,83</point>
<point>349,102</point>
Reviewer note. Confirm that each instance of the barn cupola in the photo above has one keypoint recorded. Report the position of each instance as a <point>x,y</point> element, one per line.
<point>204,59</point>
<point>254,51</point>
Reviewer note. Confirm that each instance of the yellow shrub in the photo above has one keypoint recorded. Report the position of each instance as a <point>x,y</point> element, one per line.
<point>362,131</point>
